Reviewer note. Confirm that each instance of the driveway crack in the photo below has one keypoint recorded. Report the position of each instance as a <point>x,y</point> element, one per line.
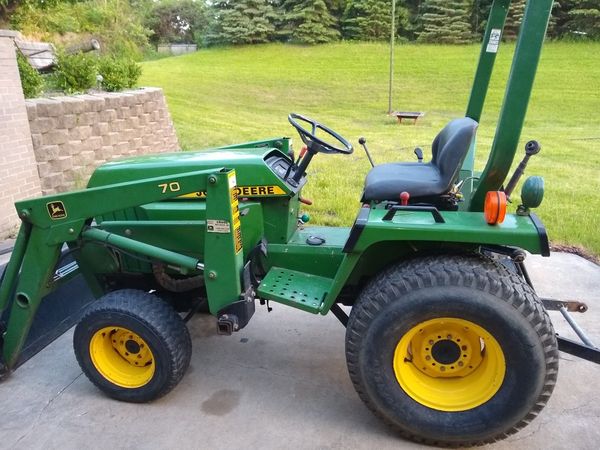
<point>48,403</point>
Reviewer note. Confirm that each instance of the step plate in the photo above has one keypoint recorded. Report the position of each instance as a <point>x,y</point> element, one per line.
<point>298,289</point>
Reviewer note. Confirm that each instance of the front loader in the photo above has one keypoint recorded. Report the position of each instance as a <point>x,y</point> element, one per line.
<point>447,340</point>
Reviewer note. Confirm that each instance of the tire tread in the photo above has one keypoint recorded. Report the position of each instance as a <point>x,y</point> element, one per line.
<point>158,316</point>
<point>467,270</point>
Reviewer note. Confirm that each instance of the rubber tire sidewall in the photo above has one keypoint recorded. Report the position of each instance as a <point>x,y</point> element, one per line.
<point>167,373</point>
<point>523,352</point>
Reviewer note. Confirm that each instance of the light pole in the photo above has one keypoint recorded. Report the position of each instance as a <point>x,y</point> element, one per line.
<point>392,41</point>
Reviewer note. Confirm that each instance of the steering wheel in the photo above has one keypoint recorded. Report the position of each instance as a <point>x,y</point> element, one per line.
<point>313,143</point>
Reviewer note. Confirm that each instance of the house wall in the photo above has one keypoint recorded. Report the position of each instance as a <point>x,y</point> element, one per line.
<point>18,168</point>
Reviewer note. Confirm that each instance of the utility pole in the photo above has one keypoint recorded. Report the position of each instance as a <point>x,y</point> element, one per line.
<point>392,41</point>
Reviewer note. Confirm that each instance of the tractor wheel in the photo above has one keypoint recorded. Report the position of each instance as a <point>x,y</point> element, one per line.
<point>451,350</point>
<point>132,345</point>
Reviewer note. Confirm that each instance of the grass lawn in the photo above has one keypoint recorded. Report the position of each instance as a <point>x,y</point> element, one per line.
<point>223,96</point>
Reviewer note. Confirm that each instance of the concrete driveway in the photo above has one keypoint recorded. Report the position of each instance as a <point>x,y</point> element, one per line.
<point>279,383</point>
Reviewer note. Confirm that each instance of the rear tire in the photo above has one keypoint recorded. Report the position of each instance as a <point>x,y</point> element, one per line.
<point>405,344</point>
<point>132,345</point>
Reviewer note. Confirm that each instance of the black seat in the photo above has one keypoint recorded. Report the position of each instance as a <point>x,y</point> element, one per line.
<point>424,181</point>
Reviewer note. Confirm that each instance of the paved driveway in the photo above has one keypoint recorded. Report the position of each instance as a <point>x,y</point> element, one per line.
<point>279,383</point>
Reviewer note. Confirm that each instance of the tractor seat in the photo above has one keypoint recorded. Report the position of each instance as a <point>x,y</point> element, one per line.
<point>424,181</point>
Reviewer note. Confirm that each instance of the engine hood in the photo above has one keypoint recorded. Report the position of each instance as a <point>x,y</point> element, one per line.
<point>251,166</point>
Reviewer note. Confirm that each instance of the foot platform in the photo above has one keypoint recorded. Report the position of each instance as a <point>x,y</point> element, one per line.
<point>297,289</point>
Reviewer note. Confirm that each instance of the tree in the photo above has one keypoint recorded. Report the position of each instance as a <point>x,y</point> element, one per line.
<point>513,20</point>
<point>241,22</point>
<point>584,19</point>
<point>446,22</point>
<point>515,16</point>
<point>367,20</point>
<point>412,12</point>
<point>308,22</point>
<point>479,14</point>
<point>176,21</point>
<point>336,9</point>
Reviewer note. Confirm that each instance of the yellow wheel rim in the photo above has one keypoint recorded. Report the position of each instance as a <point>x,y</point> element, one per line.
<point>449,364</point>
<point>122,357</point>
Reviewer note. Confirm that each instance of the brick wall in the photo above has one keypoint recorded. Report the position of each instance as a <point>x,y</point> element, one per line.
<point>18,172</point>
<point>73,135</point>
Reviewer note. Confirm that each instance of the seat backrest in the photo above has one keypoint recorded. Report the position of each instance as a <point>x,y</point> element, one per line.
<point>450,147</point>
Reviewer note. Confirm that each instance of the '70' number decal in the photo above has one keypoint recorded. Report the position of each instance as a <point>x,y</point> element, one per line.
<point>170,187</point>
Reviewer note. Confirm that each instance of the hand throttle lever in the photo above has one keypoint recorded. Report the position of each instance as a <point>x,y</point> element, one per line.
<point>363,141</point>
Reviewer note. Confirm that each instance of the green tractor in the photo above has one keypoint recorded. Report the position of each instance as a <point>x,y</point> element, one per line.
<point>446,340</point>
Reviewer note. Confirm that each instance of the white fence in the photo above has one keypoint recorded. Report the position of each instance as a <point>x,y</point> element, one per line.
<point>177,49</point>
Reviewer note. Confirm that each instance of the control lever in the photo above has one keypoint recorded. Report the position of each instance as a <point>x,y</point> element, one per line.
<point>531,148</point>
<point>404,198</point>
<point>363,141</point>
<point>294,165</point>
<point>419,152</point>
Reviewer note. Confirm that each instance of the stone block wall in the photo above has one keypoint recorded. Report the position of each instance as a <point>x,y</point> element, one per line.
<point>18,171</point>
<point>73,135</point>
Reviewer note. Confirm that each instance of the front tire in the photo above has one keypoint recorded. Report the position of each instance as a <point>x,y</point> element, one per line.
<point>132,345</point>
<point>451,350</point>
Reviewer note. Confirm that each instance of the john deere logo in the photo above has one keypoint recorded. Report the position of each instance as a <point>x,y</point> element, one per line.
<point>56,210</point>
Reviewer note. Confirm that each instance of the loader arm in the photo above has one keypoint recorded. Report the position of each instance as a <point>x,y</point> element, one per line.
<point>51,221</point>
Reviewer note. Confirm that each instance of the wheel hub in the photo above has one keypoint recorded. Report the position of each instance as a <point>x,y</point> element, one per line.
<point>132,346</point>
<point>122,357</point>
<point>445,351</point>
<point>449,364</point>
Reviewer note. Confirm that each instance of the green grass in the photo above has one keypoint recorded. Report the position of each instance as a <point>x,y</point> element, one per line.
<point>224,96</point>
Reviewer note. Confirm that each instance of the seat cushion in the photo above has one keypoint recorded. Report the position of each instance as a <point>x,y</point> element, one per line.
<point>388,181</point>
<point>424,181</point>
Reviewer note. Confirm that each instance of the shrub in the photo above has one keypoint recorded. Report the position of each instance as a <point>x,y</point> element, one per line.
<point>31,80</point>
<point>118,74</point>
<point>117,24</point>
<point>75,73</point>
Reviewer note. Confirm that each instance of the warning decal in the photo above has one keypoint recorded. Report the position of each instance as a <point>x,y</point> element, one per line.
<point>218,226</point>
<point>235,210</point>
<point>494,41</point>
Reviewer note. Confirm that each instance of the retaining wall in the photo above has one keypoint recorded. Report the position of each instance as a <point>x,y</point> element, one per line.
<point>73,135</point>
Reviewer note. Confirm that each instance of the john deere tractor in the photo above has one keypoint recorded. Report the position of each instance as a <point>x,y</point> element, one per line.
<point>446,340</point>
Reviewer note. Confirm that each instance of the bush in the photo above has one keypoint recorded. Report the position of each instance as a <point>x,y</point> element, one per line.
<point>31,80</point>
<point>118,74</point>
<point>75,73</point>
<point>117,24</point>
